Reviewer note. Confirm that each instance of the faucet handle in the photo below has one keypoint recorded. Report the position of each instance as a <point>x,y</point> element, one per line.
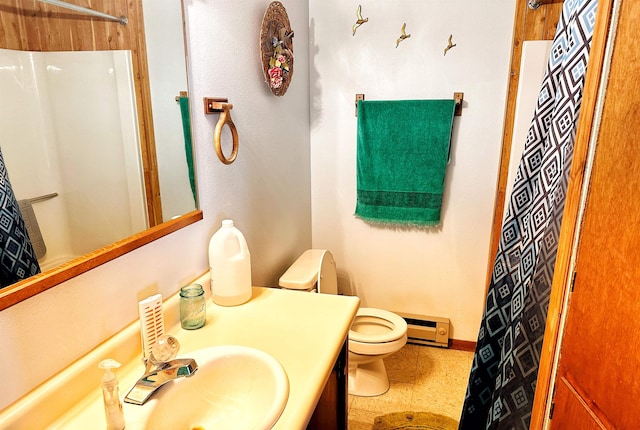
<point>164,349</point>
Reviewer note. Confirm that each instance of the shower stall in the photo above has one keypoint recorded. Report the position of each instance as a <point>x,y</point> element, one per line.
<point>70,141</point>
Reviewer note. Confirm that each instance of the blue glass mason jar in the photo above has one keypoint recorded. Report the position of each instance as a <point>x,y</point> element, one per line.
<point>193,312</point>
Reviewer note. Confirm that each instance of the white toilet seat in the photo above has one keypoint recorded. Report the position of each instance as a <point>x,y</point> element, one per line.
<point>374,334</point>
<point>373,325</point>
<point>376,331</point>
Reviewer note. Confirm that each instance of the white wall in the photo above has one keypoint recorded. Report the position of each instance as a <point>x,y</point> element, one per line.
<point>266,191</point>
<point>533,65</point>
<point>442,272</point>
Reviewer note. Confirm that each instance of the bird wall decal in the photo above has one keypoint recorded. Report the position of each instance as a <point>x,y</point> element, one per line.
<point>403,36</point>
<point>450,45</point>
<point>360,21</point>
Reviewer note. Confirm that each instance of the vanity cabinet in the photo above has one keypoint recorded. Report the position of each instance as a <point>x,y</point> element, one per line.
<point>270,316</point>
<point>331,410</point>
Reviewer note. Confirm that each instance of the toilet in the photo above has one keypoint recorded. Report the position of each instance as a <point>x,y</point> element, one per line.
<point>374,334</point>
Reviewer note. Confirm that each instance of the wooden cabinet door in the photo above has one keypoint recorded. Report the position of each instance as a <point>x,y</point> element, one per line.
<point>331,410</point>
<point>598,380</point>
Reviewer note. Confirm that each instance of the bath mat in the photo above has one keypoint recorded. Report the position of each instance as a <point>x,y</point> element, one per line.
<point>414,420</point>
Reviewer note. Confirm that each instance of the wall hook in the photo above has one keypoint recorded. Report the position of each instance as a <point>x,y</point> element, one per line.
<point>220,105</point>
<point>534,4</point>
<point>403,36</point>
<point>450,45</point>
<point>360,21</point>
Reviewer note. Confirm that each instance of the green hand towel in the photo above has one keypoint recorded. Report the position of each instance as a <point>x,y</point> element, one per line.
<point>188,147</point>
<point>402,155</point>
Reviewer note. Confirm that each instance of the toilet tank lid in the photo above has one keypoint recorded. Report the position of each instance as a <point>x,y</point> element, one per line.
<point>303,273</point>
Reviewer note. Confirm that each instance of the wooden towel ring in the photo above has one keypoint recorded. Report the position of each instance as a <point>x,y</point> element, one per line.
<point>225,118</point>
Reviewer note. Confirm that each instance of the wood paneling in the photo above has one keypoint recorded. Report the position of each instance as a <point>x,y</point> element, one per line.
<point>34,26</point>
<point>605,302</point>
<point>29,287</point>
<point>462,345</point>
<point>575,412</point>
<point>538,24</point>
<point>30,25</point>
<point>563,267</point>
<point>331,411</point>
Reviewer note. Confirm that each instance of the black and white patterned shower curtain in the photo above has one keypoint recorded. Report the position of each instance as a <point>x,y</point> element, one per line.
<point>505,366</point>
<point>17,257</point>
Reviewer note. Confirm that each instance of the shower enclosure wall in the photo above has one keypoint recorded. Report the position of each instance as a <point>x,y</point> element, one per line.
<point>533,64</point>
<point>68,127</point>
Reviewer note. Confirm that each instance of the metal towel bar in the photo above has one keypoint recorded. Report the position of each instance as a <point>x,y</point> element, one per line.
<point>122,19</point>
<point>457,96</point>
<point>42,198</point>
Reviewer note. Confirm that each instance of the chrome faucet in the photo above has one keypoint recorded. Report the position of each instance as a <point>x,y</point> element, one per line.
<point>154,379</point>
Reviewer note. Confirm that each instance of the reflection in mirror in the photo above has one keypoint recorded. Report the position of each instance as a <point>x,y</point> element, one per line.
<point>104,135</point>
<point>80,148</point>
<point>166,57</point>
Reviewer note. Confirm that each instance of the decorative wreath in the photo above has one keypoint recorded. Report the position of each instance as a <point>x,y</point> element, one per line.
<point>276,48</point>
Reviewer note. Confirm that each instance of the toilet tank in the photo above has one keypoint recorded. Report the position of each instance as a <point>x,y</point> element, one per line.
<point>314,268</point>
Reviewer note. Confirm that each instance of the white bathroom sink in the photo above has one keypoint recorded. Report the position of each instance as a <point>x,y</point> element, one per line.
<point>235,387</point>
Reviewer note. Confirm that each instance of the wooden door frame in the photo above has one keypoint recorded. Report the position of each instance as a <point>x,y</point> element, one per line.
<point>570,221</point>
<point>529,24</point>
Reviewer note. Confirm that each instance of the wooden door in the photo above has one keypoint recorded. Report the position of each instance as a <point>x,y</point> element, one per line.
<point>598,380</point>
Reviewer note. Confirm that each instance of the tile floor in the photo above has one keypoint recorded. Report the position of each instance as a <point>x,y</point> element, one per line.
<point>423,379</point>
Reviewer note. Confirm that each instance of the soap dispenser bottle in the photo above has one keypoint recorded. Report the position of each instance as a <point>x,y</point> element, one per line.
<point>111,394</point>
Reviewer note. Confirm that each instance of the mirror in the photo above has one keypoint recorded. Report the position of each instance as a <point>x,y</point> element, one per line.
<point>160,124</point>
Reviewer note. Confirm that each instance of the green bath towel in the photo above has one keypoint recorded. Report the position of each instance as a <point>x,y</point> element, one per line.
<point>402,155</point>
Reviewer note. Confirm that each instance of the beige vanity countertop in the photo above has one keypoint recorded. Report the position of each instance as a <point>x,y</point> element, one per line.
<point>303,331</point>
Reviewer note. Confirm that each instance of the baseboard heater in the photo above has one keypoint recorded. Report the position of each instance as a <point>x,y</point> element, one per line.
<point>427,330</point>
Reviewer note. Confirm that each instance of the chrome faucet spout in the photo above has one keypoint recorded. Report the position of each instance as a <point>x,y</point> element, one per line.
<point>156,378</point>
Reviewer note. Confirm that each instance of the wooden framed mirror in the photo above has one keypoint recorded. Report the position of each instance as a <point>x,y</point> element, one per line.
<point>37,27</point>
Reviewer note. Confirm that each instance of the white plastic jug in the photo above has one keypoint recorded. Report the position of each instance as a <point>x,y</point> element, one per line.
<point>230,265</point>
